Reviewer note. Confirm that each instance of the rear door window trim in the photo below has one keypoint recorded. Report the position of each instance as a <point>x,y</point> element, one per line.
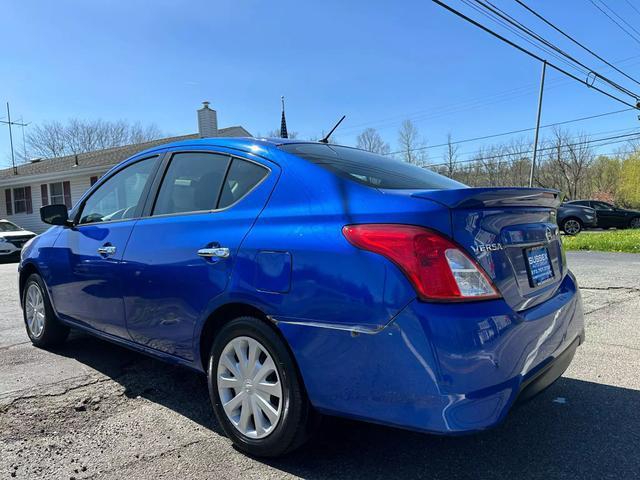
<point>163,168</point>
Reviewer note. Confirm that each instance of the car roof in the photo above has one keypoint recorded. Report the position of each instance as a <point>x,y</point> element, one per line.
<point>245,144</point>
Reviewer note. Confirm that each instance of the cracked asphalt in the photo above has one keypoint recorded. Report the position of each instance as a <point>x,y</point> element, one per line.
<point>95,410</point>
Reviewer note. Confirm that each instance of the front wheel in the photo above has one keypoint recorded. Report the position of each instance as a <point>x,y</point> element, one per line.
<point>635,222</point>
<point>43,328</point>
<point>572,226</point>
<point>256,391</point>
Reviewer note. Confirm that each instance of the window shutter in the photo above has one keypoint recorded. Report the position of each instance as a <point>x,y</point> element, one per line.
<point>27,198</point>
<point>44,193</point>
<point>66,186</point>
<point>93,180</point>
<point>7,196</point>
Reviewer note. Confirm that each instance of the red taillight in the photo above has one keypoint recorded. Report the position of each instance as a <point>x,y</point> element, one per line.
<point>436,266</point>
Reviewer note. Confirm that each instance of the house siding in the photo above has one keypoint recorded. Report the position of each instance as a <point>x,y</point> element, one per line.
<point>79,184</point>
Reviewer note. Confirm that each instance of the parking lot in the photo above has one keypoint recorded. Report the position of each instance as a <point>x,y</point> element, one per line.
<point>95,410</point>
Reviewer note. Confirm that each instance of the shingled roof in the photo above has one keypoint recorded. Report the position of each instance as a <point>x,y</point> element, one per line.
<point>107,157</point>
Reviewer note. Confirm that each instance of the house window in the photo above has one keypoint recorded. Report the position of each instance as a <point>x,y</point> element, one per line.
<point>22,200</point>
<point>56,192</point>
<point>19,200</point>
<point>93,180</point>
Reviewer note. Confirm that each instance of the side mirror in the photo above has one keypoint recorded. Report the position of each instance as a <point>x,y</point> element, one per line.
<point>55,215</point>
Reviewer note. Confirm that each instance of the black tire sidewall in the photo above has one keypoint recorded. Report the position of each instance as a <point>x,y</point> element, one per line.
<point>53,332</point>
<point>294,406</point>
<point>40,340</point>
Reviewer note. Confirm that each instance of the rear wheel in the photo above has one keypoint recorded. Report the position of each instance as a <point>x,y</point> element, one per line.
<point>572,226</point>
<point>255,390</point>
<point>43,328</point>
<point>635,222</point>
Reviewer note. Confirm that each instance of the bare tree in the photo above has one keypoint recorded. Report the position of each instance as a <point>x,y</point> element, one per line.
<point>411,144</point>
<point>566,163</point>
<point>450,157</point>
<point>371,141</point>
<point>276,134</point>
<point>54,139</point>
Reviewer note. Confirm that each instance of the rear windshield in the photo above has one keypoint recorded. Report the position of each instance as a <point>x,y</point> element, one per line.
<point>8,227</point>
<point>369,168</point>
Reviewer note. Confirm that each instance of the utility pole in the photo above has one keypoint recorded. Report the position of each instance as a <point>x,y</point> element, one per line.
<point>535,138</point>
<point>10,123</point>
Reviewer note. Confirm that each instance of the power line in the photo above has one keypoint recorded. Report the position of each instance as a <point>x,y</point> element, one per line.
<point>614,21</point>
<point>488,164</point>
<point>466,105</point>
<point>618,138</point>
<point>508,18</point>
<point>496,18</point>
<point>513,132</point>
<point>621,18</point>
<point>562,32</point>
<point>633,6</point>
<point>616,131</point>
<point>531,54</point>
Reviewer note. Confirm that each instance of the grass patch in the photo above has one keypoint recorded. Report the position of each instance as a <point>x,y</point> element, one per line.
<point>610,241</point>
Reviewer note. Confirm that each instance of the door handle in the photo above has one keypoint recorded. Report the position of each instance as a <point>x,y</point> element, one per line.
<point>107,250</point>
<point>218,252</point>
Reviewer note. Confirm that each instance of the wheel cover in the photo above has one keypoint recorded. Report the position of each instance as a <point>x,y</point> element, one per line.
<point>635,223</point>
<point>249,387</point>
<point>572,227</point>
<point>34,309</point>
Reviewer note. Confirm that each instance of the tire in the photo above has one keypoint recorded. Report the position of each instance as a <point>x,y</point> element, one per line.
<point>635,222</point>
<point>43,328</point>
<point>571,226</point>
<point>258,435</point>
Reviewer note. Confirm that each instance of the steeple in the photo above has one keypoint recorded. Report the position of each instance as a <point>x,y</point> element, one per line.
<point>283,122</point>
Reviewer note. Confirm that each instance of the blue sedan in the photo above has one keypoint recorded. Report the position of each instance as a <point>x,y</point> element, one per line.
<point>309,279</point>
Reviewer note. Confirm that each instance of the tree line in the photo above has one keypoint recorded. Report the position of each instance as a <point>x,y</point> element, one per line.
<point>566,163</point>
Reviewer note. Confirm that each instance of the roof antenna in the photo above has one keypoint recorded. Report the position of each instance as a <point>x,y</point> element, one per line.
<point>283,122</point>
<point>326,138</point>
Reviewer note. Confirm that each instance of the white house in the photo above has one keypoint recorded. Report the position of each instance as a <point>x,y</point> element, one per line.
<point>65,179</point>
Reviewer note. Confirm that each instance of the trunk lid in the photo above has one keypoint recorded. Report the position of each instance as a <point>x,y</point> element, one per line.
<point>513,234</point>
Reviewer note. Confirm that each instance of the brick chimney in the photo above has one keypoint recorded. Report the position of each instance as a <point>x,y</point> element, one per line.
<point>207,121</point>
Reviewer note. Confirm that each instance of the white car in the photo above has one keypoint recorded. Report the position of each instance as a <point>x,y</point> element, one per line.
<point>12,238</point>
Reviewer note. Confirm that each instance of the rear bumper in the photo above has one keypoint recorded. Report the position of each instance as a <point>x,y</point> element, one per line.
<point>445,368</point>
<point>551,371</point>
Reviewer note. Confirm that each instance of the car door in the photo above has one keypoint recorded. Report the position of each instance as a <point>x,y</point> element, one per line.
<point>180,257</point>
<point>607,215</point>
<point>86,284</point>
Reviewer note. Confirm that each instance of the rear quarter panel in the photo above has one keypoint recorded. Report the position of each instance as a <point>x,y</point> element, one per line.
<point>331,282</point>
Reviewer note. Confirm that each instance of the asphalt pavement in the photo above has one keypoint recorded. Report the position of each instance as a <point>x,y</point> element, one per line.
<point>95,410</point>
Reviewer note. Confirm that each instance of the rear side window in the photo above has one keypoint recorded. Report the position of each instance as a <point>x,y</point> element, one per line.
<point>580,202</point>
<point>242,177</point>
<point>192,183</point>
<point>369,168</point>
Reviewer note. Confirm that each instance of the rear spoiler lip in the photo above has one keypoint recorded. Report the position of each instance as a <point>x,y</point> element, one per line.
<point>493,197</point>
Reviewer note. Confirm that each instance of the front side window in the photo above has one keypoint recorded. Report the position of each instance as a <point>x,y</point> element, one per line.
<point>192,183</point>
<point>119,197</point>
<point>242,177</point>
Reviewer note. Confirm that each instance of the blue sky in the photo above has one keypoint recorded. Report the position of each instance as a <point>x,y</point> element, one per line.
<point>377,62</point>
